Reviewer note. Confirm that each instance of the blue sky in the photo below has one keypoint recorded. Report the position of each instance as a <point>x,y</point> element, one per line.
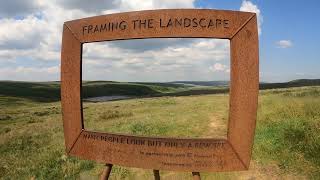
<point>30,39</point>
<point>296,21</point>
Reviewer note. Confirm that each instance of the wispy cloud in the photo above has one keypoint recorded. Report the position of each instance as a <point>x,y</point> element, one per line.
<point>30,73</point>
<point>284,44</point>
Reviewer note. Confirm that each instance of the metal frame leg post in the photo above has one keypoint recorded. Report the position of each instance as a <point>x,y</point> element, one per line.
<point>156,174</point>
<point>106,172</point>
<point>196,175</point>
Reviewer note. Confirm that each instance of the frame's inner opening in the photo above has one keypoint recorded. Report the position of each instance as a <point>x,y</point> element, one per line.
<point>175,87</point>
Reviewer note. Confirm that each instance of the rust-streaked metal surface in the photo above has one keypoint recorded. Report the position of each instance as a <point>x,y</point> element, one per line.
<point>177,154</point>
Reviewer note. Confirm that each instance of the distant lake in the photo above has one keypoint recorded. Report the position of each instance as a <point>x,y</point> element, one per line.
<point>107,98</point>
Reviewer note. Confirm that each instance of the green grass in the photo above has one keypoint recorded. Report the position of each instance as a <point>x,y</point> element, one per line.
<point>287,140</point>
<point>288,130</point>
<point>163,116</point>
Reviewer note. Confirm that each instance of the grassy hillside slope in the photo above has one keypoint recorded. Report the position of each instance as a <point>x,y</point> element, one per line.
<point>37,91</point>
<point>50,91</point>
<point>286,146</point>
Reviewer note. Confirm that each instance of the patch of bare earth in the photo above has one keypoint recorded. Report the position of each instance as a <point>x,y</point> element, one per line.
<point>217,127</point>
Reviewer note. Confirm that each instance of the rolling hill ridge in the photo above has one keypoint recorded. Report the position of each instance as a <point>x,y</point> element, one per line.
<point>50,91</point>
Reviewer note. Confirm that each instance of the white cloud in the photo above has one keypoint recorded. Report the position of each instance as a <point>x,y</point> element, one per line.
<point>26,70</point>
<point>284,44</point>
<point>179,61</point>
<point>30,45</point>
<point>95,6</point>
<point>129,5</point>
<point>248,6</point>
<point>219,67</point>
<point>30,73</point>
<point>27,33</point>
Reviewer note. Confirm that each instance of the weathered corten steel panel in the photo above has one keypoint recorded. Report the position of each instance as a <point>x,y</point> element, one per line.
<point>236,21</point>
<point>71,87</point>
<point>244,89</point>
<point>179,154</point>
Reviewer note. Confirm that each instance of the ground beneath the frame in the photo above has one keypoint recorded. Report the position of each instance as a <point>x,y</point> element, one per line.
<point>286,145</point>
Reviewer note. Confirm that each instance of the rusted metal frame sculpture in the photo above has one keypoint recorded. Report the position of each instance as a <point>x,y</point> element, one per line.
<point>178,154</point>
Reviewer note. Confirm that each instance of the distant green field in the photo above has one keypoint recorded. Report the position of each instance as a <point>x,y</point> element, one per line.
<point>50,91</point>
<point>287,140</point>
